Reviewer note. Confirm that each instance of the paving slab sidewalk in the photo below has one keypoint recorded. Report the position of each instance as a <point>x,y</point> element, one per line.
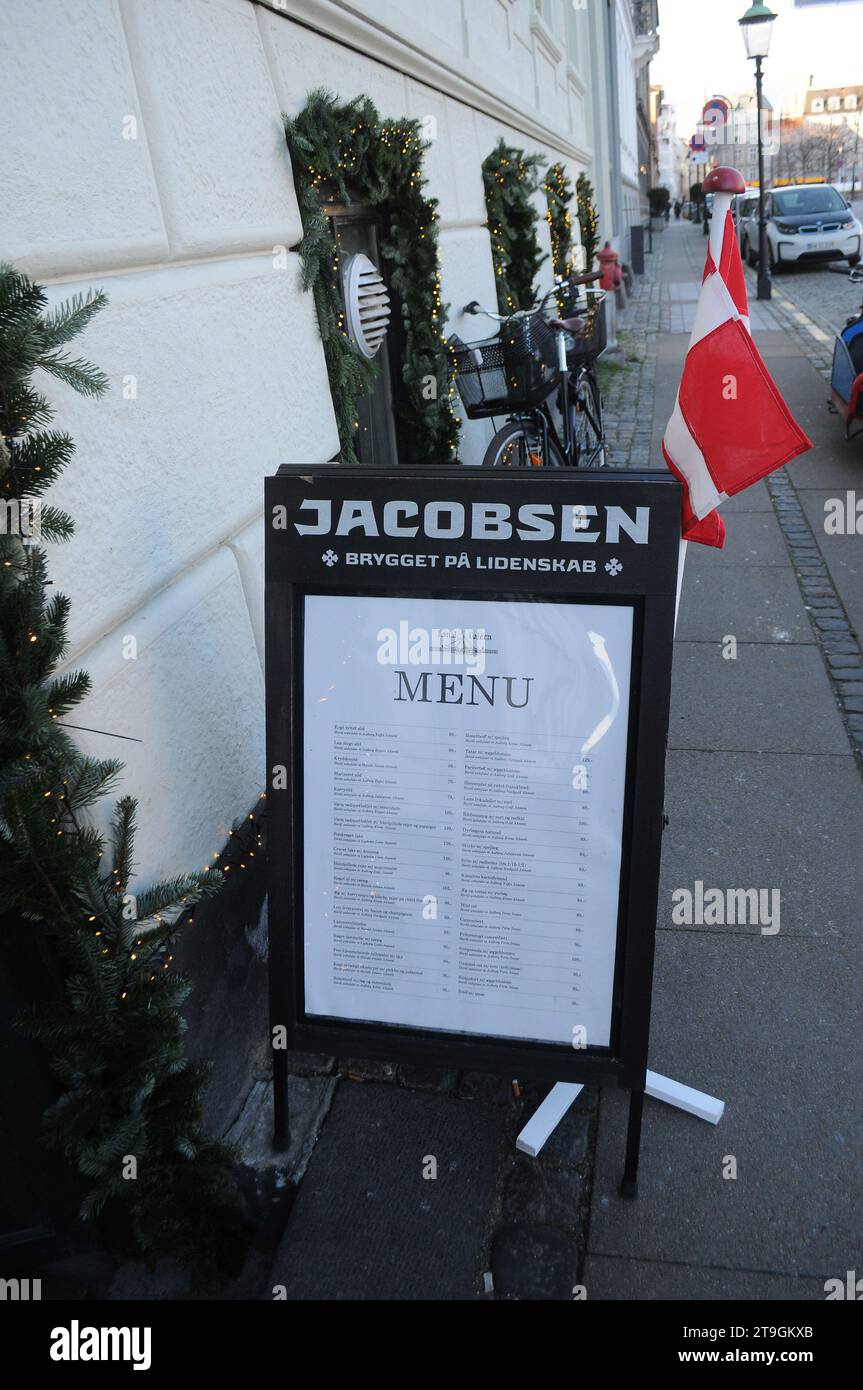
<point>764,791</point>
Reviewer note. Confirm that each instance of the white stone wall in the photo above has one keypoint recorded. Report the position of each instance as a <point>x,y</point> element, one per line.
<point>668,144</point>
<point>145,154</point>
<point>626,94</point>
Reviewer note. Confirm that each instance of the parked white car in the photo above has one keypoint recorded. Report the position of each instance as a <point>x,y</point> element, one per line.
<point>806,223</point>
<point>744,206</point>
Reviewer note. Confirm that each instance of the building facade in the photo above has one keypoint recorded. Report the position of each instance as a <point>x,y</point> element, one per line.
<point>148,158</point>
<point>733,139</point>
<point>835,116</point>
<point>645,19</point>
<point>672,165</point>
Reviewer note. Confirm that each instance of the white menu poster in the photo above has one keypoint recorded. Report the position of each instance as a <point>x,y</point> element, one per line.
<point>463,789</point>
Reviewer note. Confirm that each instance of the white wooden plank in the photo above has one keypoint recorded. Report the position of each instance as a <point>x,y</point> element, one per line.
<point>547,1117</point>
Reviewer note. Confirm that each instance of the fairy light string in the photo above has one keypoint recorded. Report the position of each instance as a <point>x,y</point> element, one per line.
<point>559,193</point>
<point>588,219</point>
<point>511,178</point>
<point>343,153</point>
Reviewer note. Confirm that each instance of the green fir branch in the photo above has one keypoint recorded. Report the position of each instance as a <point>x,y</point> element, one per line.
<point>587,219</point>
<point>559,195</point>
<point>69,319</point>
<point>82,376</point>
<point>344,151</point>
<point>114,1030</point>
<point>511,178</point>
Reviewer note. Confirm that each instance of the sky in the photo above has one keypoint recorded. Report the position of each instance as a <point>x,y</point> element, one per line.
<point>701,52</point>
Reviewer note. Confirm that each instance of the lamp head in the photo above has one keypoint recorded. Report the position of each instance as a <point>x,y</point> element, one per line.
<point>756,27</point>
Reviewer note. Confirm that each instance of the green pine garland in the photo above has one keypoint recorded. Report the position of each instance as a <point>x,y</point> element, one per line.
<point>114,1030</point>
<point>345,151</point>
<point>559,191</point>
<point>588,219</point>
<point>511,178</point>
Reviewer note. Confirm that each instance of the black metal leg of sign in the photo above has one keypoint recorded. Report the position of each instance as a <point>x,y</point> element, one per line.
<point>629,1184</point>
<point>281,1120</point>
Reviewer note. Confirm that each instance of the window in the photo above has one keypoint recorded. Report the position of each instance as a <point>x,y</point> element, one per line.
<point>803,201</point>
<point>548,12</point>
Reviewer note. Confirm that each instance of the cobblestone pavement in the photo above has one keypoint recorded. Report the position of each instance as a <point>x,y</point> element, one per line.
<point>365,1225</point>
<point>627,387</point>
<point>657,306</point>
<point>810,327</point>
<point>809,305</point>
<point>812,305</point>
<point>823,297</point>
<point>661,306</point>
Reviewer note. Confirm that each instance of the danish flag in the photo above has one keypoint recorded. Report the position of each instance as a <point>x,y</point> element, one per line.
<point>730,426</point>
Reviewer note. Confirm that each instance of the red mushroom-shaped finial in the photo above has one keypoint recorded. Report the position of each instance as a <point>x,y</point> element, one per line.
<point>724,180</point>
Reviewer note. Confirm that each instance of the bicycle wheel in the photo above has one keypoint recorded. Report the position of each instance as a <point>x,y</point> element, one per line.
<point>585,404</point>
<point>521,444</point>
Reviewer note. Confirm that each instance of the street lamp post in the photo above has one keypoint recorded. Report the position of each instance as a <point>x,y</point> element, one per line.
<point>764,282</point>
<point>757,26</point>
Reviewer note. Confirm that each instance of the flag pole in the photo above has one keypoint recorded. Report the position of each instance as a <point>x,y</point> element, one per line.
<point>681,561</point>
<point>721,208</point>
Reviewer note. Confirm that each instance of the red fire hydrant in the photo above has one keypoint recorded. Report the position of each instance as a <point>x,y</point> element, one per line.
<point>612,275</point>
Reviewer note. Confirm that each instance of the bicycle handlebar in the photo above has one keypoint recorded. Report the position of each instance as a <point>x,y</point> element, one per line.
<point>476,308</point>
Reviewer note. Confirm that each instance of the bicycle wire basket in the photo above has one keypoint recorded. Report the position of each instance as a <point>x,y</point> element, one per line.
<point>516,370</point>
<point>588,306</point>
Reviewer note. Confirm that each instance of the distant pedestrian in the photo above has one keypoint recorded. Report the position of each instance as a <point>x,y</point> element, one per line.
<point>678,208</point>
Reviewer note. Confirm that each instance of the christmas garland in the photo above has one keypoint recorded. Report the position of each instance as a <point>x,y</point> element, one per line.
<point>558,191</point>
<point>344,151</point>
<point>510,178</point>
<point>129,1111</point>
<point>588,220</point>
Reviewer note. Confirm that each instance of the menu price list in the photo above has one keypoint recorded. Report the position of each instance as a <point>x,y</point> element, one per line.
<point>462,864</point>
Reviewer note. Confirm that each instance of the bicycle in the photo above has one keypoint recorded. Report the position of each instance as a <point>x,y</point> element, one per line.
<point>519,370</point>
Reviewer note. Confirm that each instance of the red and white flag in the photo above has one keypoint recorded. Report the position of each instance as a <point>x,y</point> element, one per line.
<point>730,426</point>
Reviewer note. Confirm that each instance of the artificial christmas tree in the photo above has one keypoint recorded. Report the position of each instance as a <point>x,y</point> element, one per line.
<point>510,178</point>
<point>588,220</point>
<point>128,1114</point>
<point>347,152</point>
<point>559,192</point>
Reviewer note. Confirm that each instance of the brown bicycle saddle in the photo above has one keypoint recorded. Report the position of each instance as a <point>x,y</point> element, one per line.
<point>567,325</point>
